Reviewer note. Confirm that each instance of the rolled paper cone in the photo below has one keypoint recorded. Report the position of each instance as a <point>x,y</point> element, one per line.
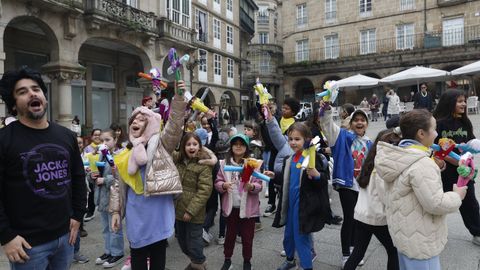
<point>261,176</point>
<point>230,168</point>
<point>311,154</point>
<point>145,76</point>
<point>247,173</point>
<point>197,105</point>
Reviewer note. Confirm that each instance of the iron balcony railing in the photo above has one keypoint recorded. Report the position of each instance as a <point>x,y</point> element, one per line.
<point>122,13</point>
<point>455,37</point>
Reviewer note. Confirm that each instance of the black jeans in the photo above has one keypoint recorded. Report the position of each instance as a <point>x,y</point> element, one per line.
<point>189,236</point>
<point>469,209</point>
<point>156,252</point>
<point>363,234</point>
<point>348,200</point>
<point>209,219</point>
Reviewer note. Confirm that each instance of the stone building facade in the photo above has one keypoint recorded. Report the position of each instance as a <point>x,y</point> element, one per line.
<point>334,39</point>
<point>90,51</point>
<point>265,53</point>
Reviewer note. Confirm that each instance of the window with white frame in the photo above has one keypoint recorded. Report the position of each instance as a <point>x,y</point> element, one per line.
<point>301,50</point>
<point>262,15</point>
<point>330,10</point>
<point>368,41</point>
<point>407,4</point>
<point>229,13</point>
<point>202,66</point>
<point>331,47</point>
<point>179,12</point>
<point>230,66</point>
<point>201,24</point>
<point>302,17</point>
<point>365,7</point>
<point>405,36</point>
<point>453,32</point>
<point>264,63</point>
<point>263,37</point>
<point>229,38</point>
<point>217,68</point>
<point>216,6</point>
<point>216,33</point>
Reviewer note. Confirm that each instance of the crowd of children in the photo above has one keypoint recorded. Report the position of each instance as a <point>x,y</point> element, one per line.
<point>159,183</point>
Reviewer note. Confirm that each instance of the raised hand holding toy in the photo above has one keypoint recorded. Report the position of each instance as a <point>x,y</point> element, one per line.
<point>175,65</point>
<point>263,96</point>
<point>329,95</point>
<point>247,172</point>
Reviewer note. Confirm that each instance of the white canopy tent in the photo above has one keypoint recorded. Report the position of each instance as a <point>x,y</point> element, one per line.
<point>415,75</point>
<point>470,69</point>
<point>357,81</point>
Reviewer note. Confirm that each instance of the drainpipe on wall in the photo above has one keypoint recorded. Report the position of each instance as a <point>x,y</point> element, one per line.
<point>424,17</point>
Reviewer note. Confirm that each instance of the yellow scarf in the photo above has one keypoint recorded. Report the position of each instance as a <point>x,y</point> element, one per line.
<point>92,159</point>
<point>133,181</point>
<point>285,123</point>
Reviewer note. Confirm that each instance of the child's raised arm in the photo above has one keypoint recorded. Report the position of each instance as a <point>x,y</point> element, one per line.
<point>170,134</point>
<point>329,128</point>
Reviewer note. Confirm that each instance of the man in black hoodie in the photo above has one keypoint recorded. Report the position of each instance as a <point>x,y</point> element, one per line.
<point>42,180</point>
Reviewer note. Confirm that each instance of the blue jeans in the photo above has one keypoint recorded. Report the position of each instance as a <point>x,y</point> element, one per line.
<point>189,236</point>
<point>407,263</point>
<point>113,240</point>
<point>53,255</point>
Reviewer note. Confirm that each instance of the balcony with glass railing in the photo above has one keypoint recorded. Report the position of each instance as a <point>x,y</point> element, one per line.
<point>467,36</point>
<point>112,11</point>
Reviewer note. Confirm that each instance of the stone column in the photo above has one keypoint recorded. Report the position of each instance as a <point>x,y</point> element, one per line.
<point>63,74</point>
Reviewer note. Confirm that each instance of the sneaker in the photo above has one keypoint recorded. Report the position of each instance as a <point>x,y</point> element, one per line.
<point>362,262</point>
<point>476,240</point>
<point>247,266</point>
<point>89,216</point>
<point>102,259</point>
<point>80,258</point>
<point>206,237</point>
<point>288,265</point>
<point>266,194</point>
<point>221,240</point>
<point>112,261</point>
<point>258,227</point>
<point>227,265</point>
<point>83,233</point>
<point>344,260</point>
<point>271,209</point>
<point>283,253</point>
<point>238,239</point>
<point>127,265</point>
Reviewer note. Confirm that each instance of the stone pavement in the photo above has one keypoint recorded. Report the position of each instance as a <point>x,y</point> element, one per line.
<point>460,252</point>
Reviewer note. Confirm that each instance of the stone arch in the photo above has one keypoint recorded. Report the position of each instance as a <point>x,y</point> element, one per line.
<point>118,45</point>
<point>304,90</point>
<point>23,28</point>
<point>227,99</point>
<point>209,100</point>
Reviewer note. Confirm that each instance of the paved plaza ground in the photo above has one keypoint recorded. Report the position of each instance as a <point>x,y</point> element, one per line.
<point>460,252</point>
